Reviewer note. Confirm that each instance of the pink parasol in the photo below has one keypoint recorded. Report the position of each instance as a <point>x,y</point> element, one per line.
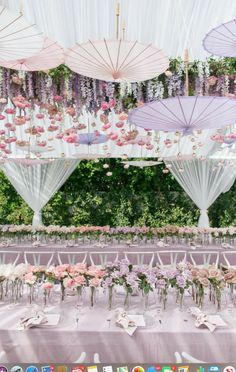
<point>50,56</point>
<point>18,38</point>
<point>117,60</point>
<point>185,114</point>
<point>221,40</point>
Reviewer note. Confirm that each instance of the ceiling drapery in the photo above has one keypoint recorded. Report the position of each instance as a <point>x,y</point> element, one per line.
<point>155,21</point>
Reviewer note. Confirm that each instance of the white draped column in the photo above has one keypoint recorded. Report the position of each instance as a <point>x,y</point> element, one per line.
<point>203,181</point>
<point>37,183</point>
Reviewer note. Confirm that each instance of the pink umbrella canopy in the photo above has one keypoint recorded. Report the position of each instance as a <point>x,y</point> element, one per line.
<point>18,38</point>
<point>185,114</point>
<point>117,60</point>
<point>50,56</point>
<point>221,40</point>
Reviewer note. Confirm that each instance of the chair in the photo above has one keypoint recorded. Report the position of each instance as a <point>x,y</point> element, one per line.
<point>103,258</point>
<point>169,259</point>
<point>9,257</point>
<point>230,260</point>
<point>140,258</point>
<point>39,258</point>
<point>72,258</point>
<point>204,259</point>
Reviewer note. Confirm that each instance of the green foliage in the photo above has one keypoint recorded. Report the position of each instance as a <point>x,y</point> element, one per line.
<point>129,197</point>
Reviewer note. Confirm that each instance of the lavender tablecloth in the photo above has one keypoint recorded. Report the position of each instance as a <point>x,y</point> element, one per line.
<point>172,331</point>
<point>121,248</point>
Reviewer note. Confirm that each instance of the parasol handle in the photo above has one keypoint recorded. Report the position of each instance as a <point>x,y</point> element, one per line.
<point>117,20</point>
<point>186,64</point>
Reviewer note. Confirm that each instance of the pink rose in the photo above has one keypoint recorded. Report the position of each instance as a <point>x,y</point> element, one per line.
<point>204,281</point>
<point>203,273</point>
<point>68,283</point>
<point>95,282</point>
<point>105,106</point>
<point>80,280</point>
<point>47,286</point>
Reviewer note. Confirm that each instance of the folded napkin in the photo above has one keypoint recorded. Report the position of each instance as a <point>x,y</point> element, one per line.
<point>31,321</point>
<point>123,320</point>
<point>161,244</point>
<point>226,246</point>
<point>210,321</point>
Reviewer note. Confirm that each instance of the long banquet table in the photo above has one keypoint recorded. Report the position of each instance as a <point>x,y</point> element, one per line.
<point>169,332</point>
<point>120,248</point>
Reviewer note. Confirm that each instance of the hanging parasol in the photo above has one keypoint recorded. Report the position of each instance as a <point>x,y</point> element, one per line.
<point>117,60</point>
<point>221,40</point>
<point>18,38</point>
<point>50,56</point>
<point>185,114</point>
<point>142,163</point>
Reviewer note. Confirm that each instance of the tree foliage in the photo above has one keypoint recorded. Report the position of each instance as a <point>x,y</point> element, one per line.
<point>129,197</point>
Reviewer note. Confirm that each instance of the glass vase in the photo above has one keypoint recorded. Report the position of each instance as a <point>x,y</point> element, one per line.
<point>110,297</point>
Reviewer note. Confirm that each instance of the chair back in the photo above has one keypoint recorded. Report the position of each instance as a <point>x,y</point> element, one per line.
<point>170,258</point>
<point>72,258</point>
<point>103,258</point>
<point>204,258</point>
<point>39,258</point>
<point>140,258</point>
<point>9,257</point>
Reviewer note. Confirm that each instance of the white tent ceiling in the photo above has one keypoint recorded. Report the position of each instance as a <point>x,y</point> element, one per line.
<point>170,24</point>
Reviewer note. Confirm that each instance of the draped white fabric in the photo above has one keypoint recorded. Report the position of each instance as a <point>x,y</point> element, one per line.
<point>203,181</point>
<point>37,183</point>
<point>161,22</point>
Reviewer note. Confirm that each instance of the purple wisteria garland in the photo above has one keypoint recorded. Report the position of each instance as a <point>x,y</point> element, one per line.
<point>205,78</point>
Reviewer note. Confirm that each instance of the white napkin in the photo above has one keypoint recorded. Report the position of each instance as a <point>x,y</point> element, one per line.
<point>226,246</point>
<point>161,244</point>
<point>210,321</point>
<point>123,320</point>
<point>35,320</point>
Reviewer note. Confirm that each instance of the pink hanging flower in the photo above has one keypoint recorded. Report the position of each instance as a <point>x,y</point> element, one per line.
<point>120,124</point>
<point>114,137</point>
<point>168,142</point>
<point>72,138</point>
<point>2,117</point>
<point>10,111</point>
<point>59,135</point>
<point>52,128</point>
<point>19,120</point>
<point>141,142</point>
<point>40,116</point>
<point>57,98</point>
<point>217,138</point>
<point>123,116</point>
<point>112,103</point>
<point>70,111</point>
<point>41,143</point>
<point>212,80</point>
<point>2,132</point>
<point>119,143</point>
<point>105,106</point>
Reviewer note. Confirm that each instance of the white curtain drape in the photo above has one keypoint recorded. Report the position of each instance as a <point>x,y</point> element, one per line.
<point>203,181</point>
<point>37,183</point>
<point>170,24</point>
